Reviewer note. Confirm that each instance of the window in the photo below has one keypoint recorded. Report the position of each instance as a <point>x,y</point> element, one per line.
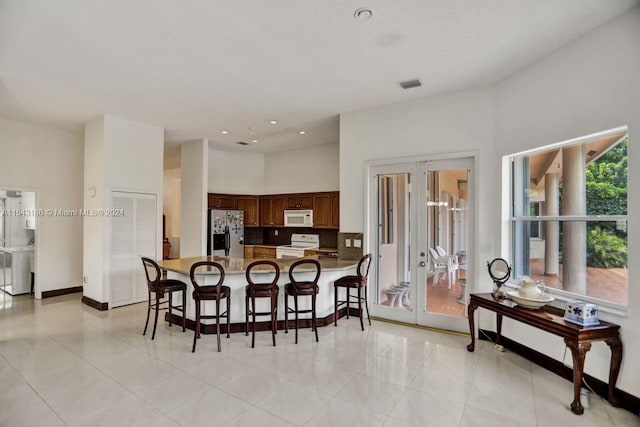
<point>573,195</point>
<point>534,210</point>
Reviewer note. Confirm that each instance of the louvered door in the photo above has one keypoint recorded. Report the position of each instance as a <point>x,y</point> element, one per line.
<point>132,235</point>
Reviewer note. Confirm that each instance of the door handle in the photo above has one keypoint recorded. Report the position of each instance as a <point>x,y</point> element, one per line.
<point>422,264</point>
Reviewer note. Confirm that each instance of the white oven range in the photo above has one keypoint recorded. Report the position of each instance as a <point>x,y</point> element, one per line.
<point>299,243</point>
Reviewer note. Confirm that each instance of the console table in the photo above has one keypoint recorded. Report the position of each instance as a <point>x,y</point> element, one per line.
<point>550,319</point>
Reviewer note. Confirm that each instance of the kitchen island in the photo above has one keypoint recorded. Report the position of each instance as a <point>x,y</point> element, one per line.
<point>235,269</point>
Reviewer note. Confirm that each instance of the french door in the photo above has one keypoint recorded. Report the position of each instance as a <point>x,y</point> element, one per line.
<point>421,223</point>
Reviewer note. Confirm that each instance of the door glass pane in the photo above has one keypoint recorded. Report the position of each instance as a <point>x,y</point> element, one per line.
<point>446,229</point>
<point>393,241</point>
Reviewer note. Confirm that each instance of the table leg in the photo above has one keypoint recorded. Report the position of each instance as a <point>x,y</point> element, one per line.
<point>578,351</point>
<point>616,358</point>
<point>499,328</point>
<point>470,309</point>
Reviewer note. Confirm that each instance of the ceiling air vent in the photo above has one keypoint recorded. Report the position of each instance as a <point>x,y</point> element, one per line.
<point>242,143</point>
<point>410,84</point>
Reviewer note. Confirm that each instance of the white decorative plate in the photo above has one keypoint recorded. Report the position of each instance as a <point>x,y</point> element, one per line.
<point>536,302</point>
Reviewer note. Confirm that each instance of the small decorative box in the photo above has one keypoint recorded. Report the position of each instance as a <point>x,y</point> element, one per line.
<point>582,313</point>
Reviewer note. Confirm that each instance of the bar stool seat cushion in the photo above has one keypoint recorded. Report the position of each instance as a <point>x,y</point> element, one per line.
<point>171,285</point>
<point>302,288</point>
<point>209,292</point>
<point>347,281</point>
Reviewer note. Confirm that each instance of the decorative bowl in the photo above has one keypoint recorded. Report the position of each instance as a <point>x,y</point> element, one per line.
<point>533,302</point>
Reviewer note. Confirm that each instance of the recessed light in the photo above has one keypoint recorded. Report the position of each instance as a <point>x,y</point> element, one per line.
<point>363,14</point>
<point>273,122</point>
<point>254,140</point>
<point>224,132</point>
<point>302,132</point>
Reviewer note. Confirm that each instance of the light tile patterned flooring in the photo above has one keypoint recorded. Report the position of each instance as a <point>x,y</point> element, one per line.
<point>62,363</point>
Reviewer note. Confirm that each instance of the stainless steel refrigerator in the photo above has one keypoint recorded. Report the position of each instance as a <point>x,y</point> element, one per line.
<point>226,233</point>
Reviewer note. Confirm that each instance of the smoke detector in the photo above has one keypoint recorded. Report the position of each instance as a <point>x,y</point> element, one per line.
<point>363,14</point>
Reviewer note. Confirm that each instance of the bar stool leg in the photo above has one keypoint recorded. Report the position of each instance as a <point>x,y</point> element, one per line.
<point>218,323</point>
<point>295,301</point>
<point>286,312</point>
<point>148,313</point>
<point>348,301</point>
<point>366,304</point>
<point>253,326</point>
<point>155,323</point>
<point>246,316</point>
<point>196,330</point>
<point>228,319</point>
<point>313,314</point>
<point>360,307</point>
<point>170,304</point>
<point>184,311</point>
<point>335,304</point>
<point>274,327</point>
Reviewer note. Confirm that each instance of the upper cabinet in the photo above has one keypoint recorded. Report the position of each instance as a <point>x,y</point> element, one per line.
<point>251,207</point>
<point>221,201</point>
<point>268,211</point>
<point>299,201</point>
<point>272,210</point>
<point>326,210</point>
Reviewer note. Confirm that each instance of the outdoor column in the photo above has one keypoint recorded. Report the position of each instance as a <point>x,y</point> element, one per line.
<point>574,234</point>
<point>552,231</point>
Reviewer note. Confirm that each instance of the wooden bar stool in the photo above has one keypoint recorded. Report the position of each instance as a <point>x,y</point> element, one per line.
<point>301,288</point>
<point>359,282</point>
<point>215,293</point>
<point>159,286</point>
<point>262,290</point>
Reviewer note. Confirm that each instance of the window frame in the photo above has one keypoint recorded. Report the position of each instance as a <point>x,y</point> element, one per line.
<point>517,200</point>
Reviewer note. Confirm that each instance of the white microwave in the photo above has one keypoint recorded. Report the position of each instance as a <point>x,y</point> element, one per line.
<point>298,218</point>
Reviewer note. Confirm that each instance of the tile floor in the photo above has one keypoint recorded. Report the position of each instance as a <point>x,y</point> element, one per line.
<point>63,363</point>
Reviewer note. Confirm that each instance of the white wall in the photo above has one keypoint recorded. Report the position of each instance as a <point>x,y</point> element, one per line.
<point>589,85</point>
<point>303,170</point>
<point>171,201</point>
<point>193,198</point>
<point>235,172</point>
<point>121,155</point>
<point>452,123</point>
<point>49,161</point>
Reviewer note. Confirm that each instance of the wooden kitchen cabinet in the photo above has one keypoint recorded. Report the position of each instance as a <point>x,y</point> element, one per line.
<point>221,201</point>
<point>326,210</point>
<point>299,201</point>
<point>272,210</point>
<point>248,252</point>
<point>260,252</point>
<point>251,207</point>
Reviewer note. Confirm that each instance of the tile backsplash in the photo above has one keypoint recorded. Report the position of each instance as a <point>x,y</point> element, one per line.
<point>351,253</point>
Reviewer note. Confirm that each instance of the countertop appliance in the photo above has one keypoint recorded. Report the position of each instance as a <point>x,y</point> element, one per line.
<point>226,233</point>
<point>299,243</point>
<point>298,218</point>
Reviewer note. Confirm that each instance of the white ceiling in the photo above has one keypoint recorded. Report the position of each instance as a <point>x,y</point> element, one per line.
<point>198,67</point>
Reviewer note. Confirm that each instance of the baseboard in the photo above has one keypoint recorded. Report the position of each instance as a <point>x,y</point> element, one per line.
<point>102,306</point>
<point>176,319</point>
<point>627,401</point>
<point>58,292</point>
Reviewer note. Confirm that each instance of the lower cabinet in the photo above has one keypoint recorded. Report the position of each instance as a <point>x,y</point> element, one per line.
<point>260,252</point>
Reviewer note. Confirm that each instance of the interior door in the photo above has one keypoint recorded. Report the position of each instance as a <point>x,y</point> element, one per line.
<point>444,243</point>
<point>133,234</point>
